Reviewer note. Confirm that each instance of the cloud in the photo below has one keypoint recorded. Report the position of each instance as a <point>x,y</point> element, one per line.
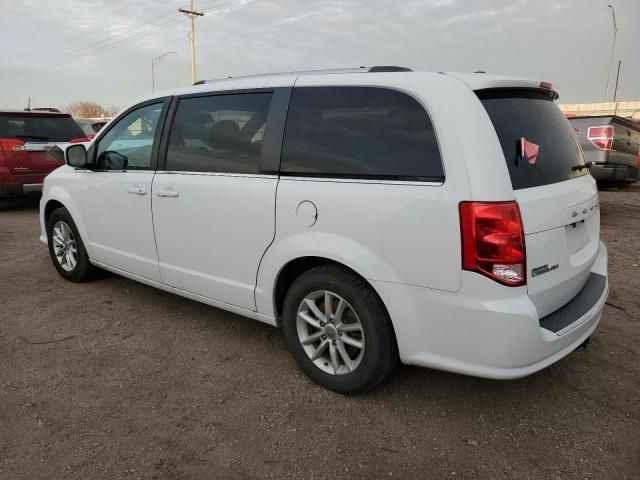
<point>102,51</point>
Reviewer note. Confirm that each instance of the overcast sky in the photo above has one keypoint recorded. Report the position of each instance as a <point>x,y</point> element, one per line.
<point>61,51</point>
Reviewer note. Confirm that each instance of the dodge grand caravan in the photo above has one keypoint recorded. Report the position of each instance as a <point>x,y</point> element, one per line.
<point>375,214</point>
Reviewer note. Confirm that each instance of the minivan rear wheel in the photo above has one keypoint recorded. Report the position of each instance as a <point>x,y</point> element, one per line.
<point>66,249</point>
<point>338,331</point>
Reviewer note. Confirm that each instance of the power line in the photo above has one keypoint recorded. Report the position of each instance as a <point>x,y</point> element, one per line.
<point>99,47</point>
<point>92,50</point>
<point>75,39</point>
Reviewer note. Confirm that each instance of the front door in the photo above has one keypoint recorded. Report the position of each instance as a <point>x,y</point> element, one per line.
<point>214,204</point>
<point>117,193</point>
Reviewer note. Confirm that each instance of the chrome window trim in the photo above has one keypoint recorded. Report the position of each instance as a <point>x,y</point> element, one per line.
<point>374,181</point>
<point>304,178</point>
<point>218,174</point>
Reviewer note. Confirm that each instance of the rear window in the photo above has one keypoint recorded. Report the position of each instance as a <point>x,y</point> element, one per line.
<point>534,116</point>
<point>359,132</point>
<point>35,128</point>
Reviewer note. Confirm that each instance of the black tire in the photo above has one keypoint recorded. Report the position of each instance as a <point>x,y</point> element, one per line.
<point>82,271</point>
<point>380,355</point>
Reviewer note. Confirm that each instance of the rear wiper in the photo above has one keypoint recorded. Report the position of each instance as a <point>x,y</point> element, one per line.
<point>34,137</point>
<point>580,167</point>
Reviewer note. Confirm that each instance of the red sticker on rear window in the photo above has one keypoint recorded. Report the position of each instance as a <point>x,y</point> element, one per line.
<point>529,150</point>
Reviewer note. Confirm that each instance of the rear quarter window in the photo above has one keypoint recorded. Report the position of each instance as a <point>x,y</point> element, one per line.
<point>359,132</point>
<point>534,116</point>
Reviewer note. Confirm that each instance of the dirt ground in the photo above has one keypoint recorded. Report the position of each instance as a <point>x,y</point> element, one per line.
<point>113,379</point>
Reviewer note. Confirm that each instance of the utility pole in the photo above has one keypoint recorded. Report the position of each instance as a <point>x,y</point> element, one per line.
<point>192,14</point>
<point>613,47</point>
<point>615,92</point>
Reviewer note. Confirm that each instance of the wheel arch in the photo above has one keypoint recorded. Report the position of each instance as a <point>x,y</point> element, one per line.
<point>293,269</point>
<point>50,206</point>
<point>58,197</point>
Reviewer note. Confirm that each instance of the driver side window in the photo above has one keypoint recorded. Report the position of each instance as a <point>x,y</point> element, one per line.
<point>129,144</point>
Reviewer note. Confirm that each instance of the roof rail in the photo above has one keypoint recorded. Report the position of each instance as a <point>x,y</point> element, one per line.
<point>328,71</point>
<point>389,68</point>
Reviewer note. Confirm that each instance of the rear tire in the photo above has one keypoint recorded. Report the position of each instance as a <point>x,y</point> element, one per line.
<point>66,248</point>
<point>349,347</point>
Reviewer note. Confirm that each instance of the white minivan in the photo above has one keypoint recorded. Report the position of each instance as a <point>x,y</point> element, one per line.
<point>376,214</point>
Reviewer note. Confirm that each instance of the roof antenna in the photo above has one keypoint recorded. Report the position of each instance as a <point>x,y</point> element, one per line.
<point>28,109</point>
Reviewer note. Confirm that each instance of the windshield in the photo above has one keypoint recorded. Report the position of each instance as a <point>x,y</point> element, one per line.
<point>35,128</point>
<point>530,118</point>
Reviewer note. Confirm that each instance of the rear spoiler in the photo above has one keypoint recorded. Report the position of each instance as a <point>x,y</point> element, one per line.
<point>479,81</point>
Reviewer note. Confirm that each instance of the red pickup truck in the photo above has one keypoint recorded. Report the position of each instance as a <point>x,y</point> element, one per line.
<point>25,138</point>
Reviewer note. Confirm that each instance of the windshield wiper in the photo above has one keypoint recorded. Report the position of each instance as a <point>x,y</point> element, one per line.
<point>581,166</point>
<point>34,137</point>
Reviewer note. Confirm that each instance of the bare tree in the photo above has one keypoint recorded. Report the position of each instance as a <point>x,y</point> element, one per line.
<point>112,110</point>
<point>85,109</point>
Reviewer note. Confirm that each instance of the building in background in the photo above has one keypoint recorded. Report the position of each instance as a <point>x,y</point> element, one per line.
<point>623,109</point>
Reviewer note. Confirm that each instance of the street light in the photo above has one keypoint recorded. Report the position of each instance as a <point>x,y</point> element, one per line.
<point>613,47</point>
<point>154,62</point>
<point>615,90</point>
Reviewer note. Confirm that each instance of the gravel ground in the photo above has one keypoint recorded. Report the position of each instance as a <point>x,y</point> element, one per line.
<point>113,379</point>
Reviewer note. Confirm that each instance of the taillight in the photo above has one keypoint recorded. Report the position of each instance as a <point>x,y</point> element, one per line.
<point>601,137</point>
<point>81,139</point>
<point>11,145</point>
<point>493,241</point>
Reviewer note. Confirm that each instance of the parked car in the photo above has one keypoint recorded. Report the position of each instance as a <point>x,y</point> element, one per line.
<point>612,146</point>
<point>90,126</point>
<point>25,138</point>
<point>447,220</point>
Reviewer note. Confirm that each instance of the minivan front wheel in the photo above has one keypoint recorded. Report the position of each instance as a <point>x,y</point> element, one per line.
<point>66,249</point>
<point>338,331</point>
<point>64,245</point>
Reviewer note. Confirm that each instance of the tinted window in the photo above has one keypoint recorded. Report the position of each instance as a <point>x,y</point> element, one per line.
<point>534,116</point>
<point>36,128</point>
<point>361,132</point>
<point>129,144</point>
<point>85,125</point>
<point>221,133</point>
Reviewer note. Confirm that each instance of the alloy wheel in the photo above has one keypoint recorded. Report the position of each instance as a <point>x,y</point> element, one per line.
<point>64,246</point>
<point>330,332</point>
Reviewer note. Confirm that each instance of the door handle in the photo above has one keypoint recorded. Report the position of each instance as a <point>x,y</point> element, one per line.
<point>168,193</point>
<point>137,190</point>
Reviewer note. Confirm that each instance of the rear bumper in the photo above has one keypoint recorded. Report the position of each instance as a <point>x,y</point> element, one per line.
<point>614,173</point>
<point>18,190</point>
<point>12,186</point>
<point>475,332</point>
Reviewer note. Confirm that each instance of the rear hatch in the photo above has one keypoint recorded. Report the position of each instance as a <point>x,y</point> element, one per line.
<point>558,200</point>
<point>25,138</point>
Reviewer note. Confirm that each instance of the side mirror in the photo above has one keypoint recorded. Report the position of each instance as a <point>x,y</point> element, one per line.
<point>76,156</point>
